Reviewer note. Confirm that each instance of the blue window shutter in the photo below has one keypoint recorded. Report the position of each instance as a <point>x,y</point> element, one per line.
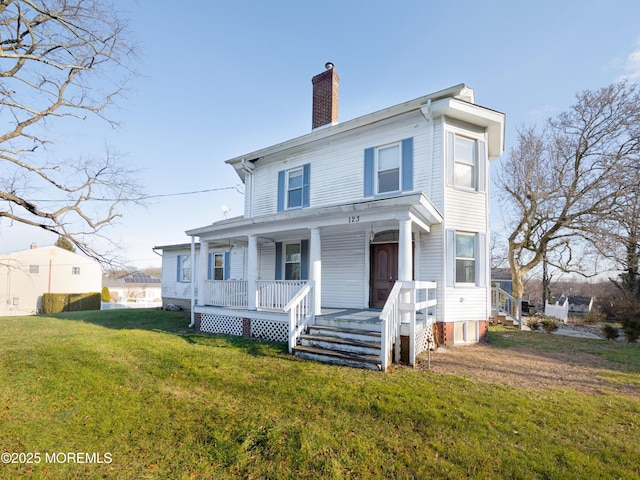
<point>369,167</point>
<point>227,265</point>
<point>210,266</point>
<point>306,177</point>
<point>179,265</point>
<point>450,157</point>
<point>407,164</point>
<point>481,260</point>
<point>482,166</point>
<point>281,189</point>
<point>278,260</point>
<point>451,258</point>
<point>304,259</point>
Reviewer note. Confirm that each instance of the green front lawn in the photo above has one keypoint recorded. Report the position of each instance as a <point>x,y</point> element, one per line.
<point>134,390</point>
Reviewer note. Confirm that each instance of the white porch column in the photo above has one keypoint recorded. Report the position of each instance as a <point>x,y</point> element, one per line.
<point>193,285</point>
<point>405,256</point>
<point>405,273</point>
<point>252,273</point>
<point>202,271</point>
<point>315,261</point>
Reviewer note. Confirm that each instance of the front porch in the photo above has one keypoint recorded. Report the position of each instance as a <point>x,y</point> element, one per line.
<point>364,338</point>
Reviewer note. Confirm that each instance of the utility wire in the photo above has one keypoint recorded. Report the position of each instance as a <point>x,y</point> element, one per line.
<point>147,197</point>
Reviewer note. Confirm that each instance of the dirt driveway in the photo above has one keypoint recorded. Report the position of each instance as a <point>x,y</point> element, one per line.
<point>524,368</point>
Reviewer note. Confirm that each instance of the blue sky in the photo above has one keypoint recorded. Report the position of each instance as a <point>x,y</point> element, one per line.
<point>223,78</point>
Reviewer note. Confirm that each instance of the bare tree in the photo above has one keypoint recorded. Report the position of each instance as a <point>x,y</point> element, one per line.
<point>619,236</point>
<point>60,61</point>
<point>563,181</point>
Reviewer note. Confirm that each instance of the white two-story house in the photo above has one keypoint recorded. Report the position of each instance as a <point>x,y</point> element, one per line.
<point>370,219</point>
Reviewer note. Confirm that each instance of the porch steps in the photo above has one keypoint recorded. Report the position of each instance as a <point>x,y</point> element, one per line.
<point>341,346</point>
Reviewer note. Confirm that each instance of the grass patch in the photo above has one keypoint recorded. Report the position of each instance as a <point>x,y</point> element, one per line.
<point>165,403</point>
<point>626,355</point>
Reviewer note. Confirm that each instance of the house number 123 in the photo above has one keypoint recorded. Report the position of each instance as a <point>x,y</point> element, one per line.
<point>354,219</point>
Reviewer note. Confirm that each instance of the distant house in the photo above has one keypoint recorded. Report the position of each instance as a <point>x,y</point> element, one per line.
<point>501,277</point>
<point>134,287</point>
<point>176,274</point>
<point>577,303</point>
<point>26,275</point>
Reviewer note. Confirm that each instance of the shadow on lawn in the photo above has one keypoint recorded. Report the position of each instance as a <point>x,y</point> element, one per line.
<point>619,356</point>
<point>175,323</point>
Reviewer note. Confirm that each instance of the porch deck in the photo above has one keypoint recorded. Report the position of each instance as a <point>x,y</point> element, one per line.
<point>371,316</point>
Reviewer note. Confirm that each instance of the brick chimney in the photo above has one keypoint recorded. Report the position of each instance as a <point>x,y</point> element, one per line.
<point>325,97</point>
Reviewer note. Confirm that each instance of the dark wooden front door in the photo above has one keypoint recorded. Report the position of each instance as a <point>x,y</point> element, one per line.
<point>384,272</point>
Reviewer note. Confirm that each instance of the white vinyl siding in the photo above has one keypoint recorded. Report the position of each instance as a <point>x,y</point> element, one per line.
<point>343,270</point>
<point>337,168</point>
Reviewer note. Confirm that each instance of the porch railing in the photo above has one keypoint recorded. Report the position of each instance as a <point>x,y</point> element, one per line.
<point>226,293</point>
<point>270,295</point>
<point>405,300</point>
<point>276,294</point>
<point>300,311</point>
<point>504,303</point>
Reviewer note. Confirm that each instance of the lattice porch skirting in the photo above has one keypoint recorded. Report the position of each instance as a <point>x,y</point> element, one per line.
<point>263,329</point>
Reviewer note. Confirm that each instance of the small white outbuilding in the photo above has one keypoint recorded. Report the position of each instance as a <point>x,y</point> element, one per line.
<point>26,275</point>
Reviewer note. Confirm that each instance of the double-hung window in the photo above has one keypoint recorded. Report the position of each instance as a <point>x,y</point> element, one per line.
<point>388,169</point>
<point>216,266</point>
<point>464,170</point>
<point>75,270</point>
<point>184,268</point>
<point>34,268</point>
<point>465,258</point>
<point>292,261</point>
<point>466,162</point>
<point>293,187</point>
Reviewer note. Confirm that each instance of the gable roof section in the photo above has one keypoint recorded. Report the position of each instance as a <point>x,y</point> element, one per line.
<point>455,102</point>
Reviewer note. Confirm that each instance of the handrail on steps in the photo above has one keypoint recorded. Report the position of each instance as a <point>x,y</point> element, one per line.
<point>402,299</point>
<point>502,300</point>
<point>300,310</point>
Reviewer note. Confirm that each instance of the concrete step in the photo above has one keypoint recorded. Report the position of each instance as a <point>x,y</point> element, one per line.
<point>337,357</point>
<point>332,342</point>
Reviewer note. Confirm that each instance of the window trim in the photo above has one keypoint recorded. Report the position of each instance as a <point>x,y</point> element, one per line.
<point>480,253</point>
<point>284,260</point>
<point>282,203</point>
<point>406,160</point>
<point>479,165</point>
<point>474,258</point>
<point>181,268</point>
<point>377,170</point>
<point>473,164</point>
<point>288,190</point>
<point>211,270</point>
